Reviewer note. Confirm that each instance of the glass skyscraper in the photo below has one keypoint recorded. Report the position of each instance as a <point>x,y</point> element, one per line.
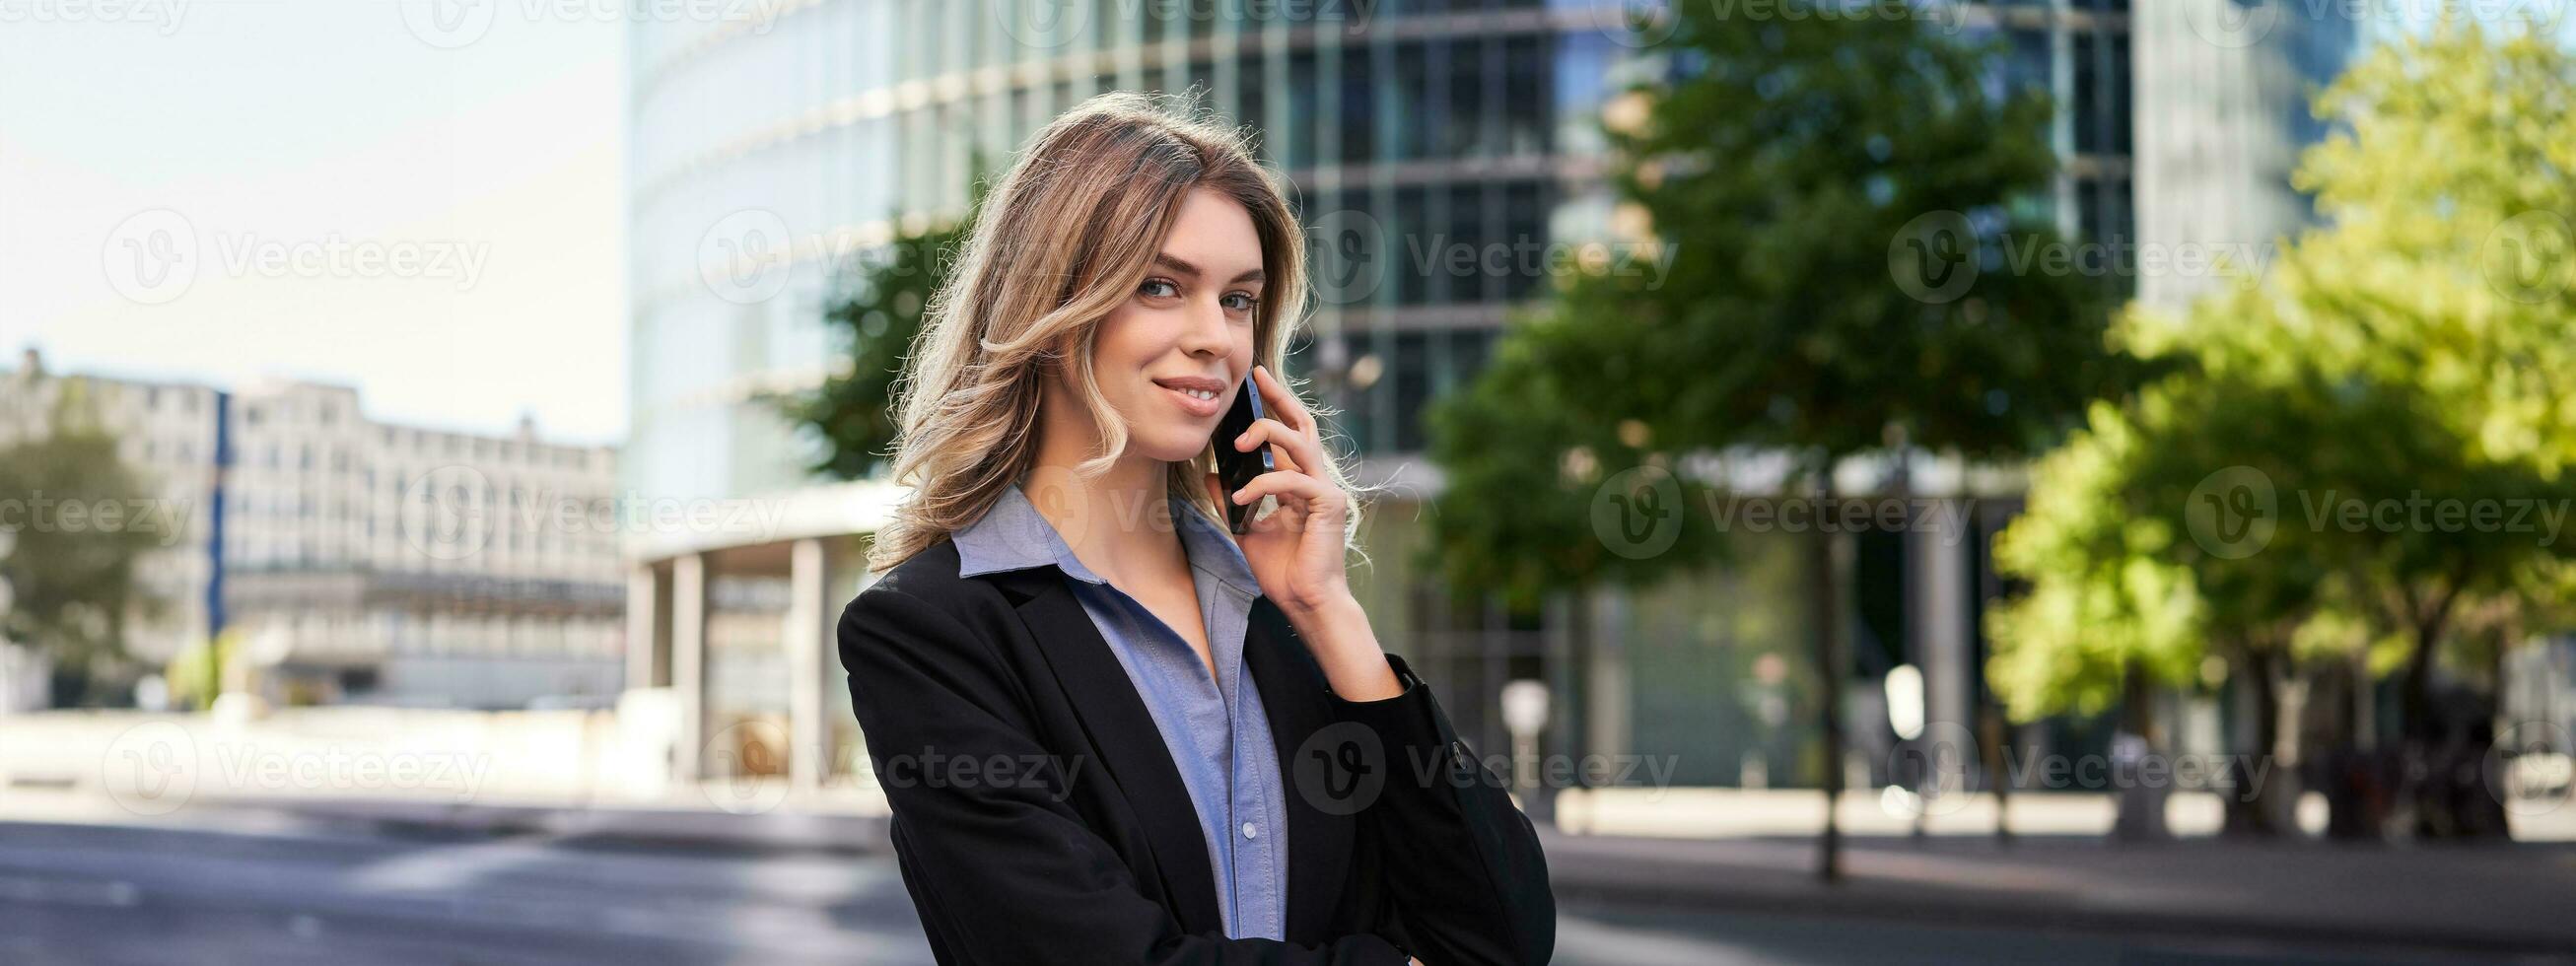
<point>770,151</point>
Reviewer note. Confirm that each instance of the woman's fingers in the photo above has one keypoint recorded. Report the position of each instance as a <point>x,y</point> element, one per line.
<point>1296,446</point>
<point>1289,428</point>
<point>1282,403</point>
<point>1306,492</point>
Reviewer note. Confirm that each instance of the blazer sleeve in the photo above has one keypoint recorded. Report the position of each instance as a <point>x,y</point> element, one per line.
<point>1006,872</point>
<point>1463,864</point>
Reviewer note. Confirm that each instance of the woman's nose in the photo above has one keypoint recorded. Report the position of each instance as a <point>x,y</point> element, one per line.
<point>1208,329</point>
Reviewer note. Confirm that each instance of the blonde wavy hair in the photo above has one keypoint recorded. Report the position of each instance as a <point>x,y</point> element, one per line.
<point>1065,237</point>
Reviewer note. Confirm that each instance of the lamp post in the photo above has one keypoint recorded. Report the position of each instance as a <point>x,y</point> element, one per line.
<point>1524,714</point>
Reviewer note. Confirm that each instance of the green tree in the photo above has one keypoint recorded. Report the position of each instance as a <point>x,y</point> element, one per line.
<point>196,673</point>
<point>852,412</point>
<point>2451,266</point>
<point>81,528</point>
<point>2412,351</point>
<point>1839,192</point>
<point>2155,539</point>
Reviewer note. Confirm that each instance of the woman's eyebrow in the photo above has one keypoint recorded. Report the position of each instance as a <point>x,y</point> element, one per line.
<point>1175,264</point>
<point>1180,267</point>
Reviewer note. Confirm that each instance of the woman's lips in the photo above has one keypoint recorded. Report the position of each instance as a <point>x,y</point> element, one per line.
<point>1181,388</point>
<point>1199,408</point>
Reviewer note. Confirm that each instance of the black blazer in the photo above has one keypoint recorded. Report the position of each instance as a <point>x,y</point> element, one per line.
<point>1070,837</point>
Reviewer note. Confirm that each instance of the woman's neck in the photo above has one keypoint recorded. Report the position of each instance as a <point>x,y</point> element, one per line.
<point>1117,524</point>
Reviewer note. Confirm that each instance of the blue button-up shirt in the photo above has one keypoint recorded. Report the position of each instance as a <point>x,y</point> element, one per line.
<point>1215,729</point>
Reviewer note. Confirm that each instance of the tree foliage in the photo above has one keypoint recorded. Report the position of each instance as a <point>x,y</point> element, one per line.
<point>1784,163</point>
<point>84,523</point>
<point>2413,351</point>
<point>852,413</point>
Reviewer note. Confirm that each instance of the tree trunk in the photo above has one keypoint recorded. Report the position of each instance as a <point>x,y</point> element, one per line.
<point>2347,762</point>
<point>1994,732</point>
<point>2416,693</point>
<point>1829,677</point>
<point>2424,778</point>
<point>2142,805</point>
<point>2254,805</point>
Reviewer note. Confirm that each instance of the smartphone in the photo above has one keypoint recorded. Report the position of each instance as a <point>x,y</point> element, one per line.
<point>1236,467</point>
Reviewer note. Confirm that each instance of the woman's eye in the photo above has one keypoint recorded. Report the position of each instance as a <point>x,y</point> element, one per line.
<point>1159,288</point>
<point>1239,302</point>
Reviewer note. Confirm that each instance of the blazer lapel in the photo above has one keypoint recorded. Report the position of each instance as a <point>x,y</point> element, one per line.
<point>1123,732</point>
<point>1292,691</point>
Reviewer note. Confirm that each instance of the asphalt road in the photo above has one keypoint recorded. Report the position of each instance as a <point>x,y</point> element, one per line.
<point>277,891</point>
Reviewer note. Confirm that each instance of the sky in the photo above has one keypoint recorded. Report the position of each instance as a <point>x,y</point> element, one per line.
<point>349,191</point>
<point>221,190</point>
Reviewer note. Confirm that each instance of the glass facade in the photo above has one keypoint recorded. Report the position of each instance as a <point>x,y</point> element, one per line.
<point>2222,130</point>
<point>1428,142</point>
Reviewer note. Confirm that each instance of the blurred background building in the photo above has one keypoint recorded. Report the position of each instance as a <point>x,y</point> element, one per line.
<point>765,160</point>
<point>2221,128</point>
<point>356,560</point>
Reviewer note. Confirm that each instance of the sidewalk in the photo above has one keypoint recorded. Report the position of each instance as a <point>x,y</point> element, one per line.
<point>2496,900</point>
<point>583,780</point>
<point>2504,899</point>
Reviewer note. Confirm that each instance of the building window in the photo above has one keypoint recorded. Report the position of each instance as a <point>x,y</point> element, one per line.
<point>1357,122</point>
<point>1525,102</point>
<point>1464,129</point>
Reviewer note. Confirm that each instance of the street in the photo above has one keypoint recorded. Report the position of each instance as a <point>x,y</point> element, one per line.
<point>271,889</point>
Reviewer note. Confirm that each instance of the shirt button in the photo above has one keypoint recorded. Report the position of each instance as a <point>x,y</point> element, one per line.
<point>1251,831</point>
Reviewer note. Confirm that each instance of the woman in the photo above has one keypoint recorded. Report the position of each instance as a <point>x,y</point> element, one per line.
<point>1109,732</point>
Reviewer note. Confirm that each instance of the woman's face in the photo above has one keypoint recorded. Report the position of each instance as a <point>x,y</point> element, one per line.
<point>1171,358</point>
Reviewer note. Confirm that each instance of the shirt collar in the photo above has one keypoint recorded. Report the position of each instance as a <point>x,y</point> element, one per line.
<point>1013,535</point>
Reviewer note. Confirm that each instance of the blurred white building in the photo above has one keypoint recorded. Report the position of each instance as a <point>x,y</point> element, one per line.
<point>362,560</point>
